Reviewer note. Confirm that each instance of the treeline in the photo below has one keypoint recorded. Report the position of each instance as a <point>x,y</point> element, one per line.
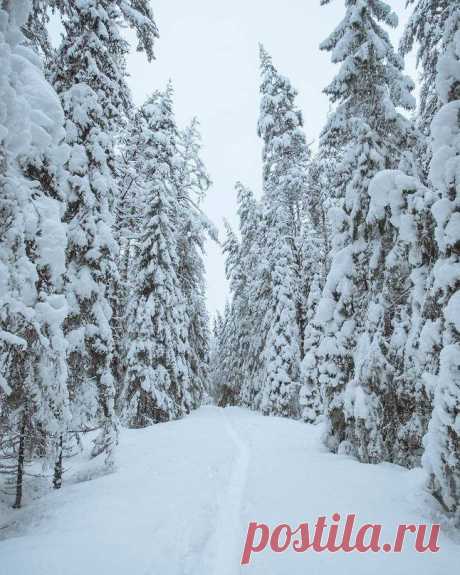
<point>345,276</point>
<point>102,297</point>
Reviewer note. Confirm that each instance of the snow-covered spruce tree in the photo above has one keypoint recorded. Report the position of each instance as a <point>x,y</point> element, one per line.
<point>414,399</point>
<point>423,306</point>
<point>33,386</point>
<point>243,337</point>
<point>240,349</point>
<point>215,349</point>
<point>399,264</point>
<point>89,76</point>
<point>158,380</point>
<point>193,228</point>
<point>231,362</point>
<point>442,443</point>
<point>192,181</point>
<point>285,162</point>
<point>226,387</point>
<point>433,35</point>
<point>426,28</point>
<point>314,250</point>
<point>310,391</point>
<point>248,308</point>
<point>35,29</point>
<point>323,182</point>
<point>370,135</point>
<point>129,166</point>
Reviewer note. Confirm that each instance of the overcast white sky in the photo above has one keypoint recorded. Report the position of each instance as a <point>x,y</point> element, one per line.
<point>209,48</point>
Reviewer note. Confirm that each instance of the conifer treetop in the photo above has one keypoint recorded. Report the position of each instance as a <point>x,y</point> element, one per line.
<point>370,83</point>
<point>135,14</point>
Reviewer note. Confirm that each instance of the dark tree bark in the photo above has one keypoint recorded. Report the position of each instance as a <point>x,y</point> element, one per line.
<point>21,461</point>
<point>57,478</point>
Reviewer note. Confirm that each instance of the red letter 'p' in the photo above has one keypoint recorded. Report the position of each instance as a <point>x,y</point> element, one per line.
<point>249,545</point>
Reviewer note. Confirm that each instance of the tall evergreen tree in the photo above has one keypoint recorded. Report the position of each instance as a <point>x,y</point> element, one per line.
<point>33,382</point>
<point>426,28</point>
<point>227,386</point>
<point>247,307</point>
<point>231,371</point>
<point>128,217</point>
<point>89,76</point>
<point>240,337</point>
<point>400,262</point>
<point>285,162</point>
<point>193,229</point>
<point>158,378</point>
<point>442,456</point>
<point>372,136</point>
<point>310,390</point>
<point>323,181</point>
<point>215,350</point>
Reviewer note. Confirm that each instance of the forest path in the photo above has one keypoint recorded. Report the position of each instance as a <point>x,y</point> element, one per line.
<point>184,493</point>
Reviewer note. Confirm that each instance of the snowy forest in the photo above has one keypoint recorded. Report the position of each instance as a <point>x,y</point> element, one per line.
<point>344,275</point>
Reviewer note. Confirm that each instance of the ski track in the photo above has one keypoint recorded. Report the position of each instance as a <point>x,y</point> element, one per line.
<point>224,547</point>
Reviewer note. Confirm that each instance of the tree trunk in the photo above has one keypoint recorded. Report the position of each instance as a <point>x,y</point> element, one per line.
<point>57,478</point>
<point>21,460</point>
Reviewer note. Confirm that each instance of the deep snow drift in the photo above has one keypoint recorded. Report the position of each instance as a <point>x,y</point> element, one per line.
<point>184,493</point>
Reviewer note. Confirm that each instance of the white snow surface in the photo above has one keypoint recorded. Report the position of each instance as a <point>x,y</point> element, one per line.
<point>183,493</point>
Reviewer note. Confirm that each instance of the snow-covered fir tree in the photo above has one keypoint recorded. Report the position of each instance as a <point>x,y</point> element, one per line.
<point>36,29</point>
<point>241,332</point>
<point>247,305</point>
<point>224,362</point>
<point>269,265</point>
<point>33,383</point>
<point>310,391</point>
<point>89,75</point>
<point>128,213</point>
<point>194,228</point>
<point>323,183</point>
<point>442,443</point>
<point>371,135</point>
<point>426,28</point>
<point>215,348</point>
<point>399,264</point>
<point>230,339</point>
<point>158,385</point>
<point>285,162</point>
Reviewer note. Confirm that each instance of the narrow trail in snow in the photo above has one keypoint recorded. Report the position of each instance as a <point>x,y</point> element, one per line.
<point>225,543</point>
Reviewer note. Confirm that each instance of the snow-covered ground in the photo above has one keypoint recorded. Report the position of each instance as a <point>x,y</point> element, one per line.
<point>184,493</point>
